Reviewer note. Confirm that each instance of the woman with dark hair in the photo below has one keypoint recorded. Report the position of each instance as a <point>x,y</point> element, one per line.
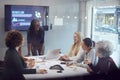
<point>88,54</point>
<point>35,38</point>
<point>14,63</point>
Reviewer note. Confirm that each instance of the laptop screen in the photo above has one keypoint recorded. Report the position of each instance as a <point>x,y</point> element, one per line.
<point>53,54</point>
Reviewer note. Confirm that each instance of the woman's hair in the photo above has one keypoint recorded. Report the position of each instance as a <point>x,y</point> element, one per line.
<point>88,42</point>
<point>13,39</point>
<point>33,22</point>
<point>93,43</point>
<point>104,48</point>
<point>76,47</point>
<point>79,35</point>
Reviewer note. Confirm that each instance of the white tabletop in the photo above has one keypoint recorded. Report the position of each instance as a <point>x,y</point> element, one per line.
<point>67,72</point>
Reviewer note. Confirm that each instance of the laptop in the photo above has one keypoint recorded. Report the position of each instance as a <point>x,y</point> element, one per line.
<point>53,54</point>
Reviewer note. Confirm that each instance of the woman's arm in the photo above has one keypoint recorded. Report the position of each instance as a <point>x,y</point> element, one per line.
<point>93,68</point>
<point>18,65</point>
<point>80,58</point>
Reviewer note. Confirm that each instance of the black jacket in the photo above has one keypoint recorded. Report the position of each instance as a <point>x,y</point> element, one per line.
<point>15,66</point>
<point>105,68</point>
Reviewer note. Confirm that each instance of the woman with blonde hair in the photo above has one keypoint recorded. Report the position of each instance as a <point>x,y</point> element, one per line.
<point>75,48</point>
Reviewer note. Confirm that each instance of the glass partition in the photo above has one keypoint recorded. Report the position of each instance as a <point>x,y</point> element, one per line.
<point>106,26</point>
<point>105,21</point>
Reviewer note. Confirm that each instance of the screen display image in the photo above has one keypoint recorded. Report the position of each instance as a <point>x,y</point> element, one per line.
<point>18,17</point>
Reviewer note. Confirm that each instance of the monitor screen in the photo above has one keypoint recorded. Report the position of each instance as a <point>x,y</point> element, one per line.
<point>19,17</point>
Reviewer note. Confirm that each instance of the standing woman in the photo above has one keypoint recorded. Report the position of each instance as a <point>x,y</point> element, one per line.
<point>76,47</point>
<point>14,63</point>
<point>35,38</point>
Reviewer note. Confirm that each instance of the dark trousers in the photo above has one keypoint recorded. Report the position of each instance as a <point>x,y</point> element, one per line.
<point>37,50</point>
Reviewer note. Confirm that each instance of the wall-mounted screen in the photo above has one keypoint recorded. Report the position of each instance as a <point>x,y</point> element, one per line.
<point>18,17</point>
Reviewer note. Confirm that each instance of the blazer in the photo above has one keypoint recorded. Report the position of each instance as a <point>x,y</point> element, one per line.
<point>15,65</point>
<point>105,69</point>
<point>105,65</point>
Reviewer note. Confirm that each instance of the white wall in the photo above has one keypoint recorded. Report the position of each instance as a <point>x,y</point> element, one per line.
<point>59,36</point>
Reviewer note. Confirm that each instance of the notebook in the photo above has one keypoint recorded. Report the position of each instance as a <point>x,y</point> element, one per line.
<point>53,54</point>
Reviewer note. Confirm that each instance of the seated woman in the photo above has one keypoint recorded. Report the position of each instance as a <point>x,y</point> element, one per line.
<point>15,66</point>
<point>75,49</point>
<point>105,67</point>
<point>89,54</point>
<point>19,49</point>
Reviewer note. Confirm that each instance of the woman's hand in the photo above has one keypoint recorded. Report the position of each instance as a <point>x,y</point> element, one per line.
<point>86,61</point>
<point>89,69</point>
<point>64,58</point>
<point>30,63</point>
<point>71,63</point>
<point>41,71</point>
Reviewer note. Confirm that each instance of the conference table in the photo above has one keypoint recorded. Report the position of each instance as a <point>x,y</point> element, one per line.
<point>68,72</point>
